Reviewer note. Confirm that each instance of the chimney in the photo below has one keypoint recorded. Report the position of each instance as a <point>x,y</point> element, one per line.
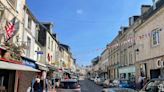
<point>120,32</point>
<point>145,8</point>
<point>123,29</point>
<point>154,4</point>
<point>132,20</point>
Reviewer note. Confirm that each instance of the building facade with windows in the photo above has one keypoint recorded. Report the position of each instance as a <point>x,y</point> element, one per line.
<point>13,69</point>
<point>104,63</point>
<point>66,60</point>
<point>49,43</point>
<point>114,58</point>
<point>127,53</point>
<point>149,44</point>
<point>29,34</point>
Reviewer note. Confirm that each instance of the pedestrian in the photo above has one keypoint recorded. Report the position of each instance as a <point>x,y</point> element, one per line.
<point>141,82</point>
<point>46,84</point>
<point>37,85</point>
<point>53,82</point>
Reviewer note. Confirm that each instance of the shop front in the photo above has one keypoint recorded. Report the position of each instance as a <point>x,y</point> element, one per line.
<point>111,73</point>
<point>151,68</point>
<point>7,80</point>
<point>10,72</point>
<point>126,72</point>
<point>26,77</point>
<point>11,75</point>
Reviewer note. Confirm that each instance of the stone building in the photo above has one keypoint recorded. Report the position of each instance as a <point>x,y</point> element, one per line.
<point>149,44</point>
<point>114,58</point>
<point>13,69</point>
<point>104,63</point>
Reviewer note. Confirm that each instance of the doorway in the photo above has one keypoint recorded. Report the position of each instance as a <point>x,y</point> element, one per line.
<point>154,73</point>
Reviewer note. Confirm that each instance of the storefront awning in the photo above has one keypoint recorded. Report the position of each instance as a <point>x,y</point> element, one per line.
<point>42,66</point>
<point>12,66</point>
<point>51,68</point>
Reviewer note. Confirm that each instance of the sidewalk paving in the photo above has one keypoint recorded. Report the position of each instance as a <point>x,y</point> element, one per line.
<point>52,90</point>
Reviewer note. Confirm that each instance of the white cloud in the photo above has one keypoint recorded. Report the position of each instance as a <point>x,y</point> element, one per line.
<point>79,11</point>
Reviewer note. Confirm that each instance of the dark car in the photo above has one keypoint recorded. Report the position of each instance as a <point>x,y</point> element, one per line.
<point>118,90</point>
<point>154,85</point>
<point>70,85</point>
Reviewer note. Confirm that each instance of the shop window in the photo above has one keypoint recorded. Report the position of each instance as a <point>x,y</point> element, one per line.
<point>143,70</point>
<point>7,79</point>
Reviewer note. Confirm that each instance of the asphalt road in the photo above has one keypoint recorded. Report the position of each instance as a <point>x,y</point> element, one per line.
<point>89,86</point>
<point>86,86</point>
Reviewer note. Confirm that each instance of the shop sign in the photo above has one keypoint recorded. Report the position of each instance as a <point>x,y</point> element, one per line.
<point>160,63</point>
<point>39,52</point>
<point>29,63</point>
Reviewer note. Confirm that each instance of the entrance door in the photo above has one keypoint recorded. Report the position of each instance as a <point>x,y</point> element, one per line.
<point>7,80</point>
<point>154,73</point>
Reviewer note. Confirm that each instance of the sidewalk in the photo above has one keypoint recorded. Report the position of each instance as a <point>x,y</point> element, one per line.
<point>52,90</point>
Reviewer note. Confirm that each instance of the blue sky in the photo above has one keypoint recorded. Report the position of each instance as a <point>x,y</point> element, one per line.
<point>86,25</point>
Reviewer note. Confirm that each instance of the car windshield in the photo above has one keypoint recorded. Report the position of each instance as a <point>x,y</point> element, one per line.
<point>68,84</point>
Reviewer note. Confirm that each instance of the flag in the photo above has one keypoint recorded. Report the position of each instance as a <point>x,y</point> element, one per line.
<point>9,28</point>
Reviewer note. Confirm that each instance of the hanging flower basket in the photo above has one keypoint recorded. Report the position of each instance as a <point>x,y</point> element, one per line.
<point>13,51</point>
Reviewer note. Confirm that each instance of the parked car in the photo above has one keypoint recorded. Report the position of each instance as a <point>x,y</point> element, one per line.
<point>70,85</point>
<point>108,83</point>
<point>126,84</point>
<point>115,83</point>
<point>92,78</point>
<point>100,81</point>
<point>96,79</point>
<point>118,90</point>
<point>154,85</point>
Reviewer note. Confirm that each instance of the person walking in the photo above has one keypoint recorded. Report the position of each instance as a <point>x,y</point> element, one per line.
<point>37,85</point>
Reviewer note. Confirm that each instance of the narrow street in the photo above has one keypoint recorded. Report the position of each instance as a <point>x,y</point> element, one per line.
<point>89,86</point>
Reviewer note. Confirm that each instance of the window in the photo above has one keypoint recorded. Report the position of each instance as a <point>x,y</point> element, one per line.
<point>48,42</point>
<point>36,35</point>
<point>155,37</point>
<point>29,22</point>
<point>130,58</point>
<point>29,46</point>
<point>52,45</point>
<point>13,2</point>
<point>38,54</point>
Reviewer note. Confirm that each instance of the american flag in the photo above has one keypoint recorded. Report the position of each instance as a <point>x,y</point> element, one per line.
<point>9,28</point>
